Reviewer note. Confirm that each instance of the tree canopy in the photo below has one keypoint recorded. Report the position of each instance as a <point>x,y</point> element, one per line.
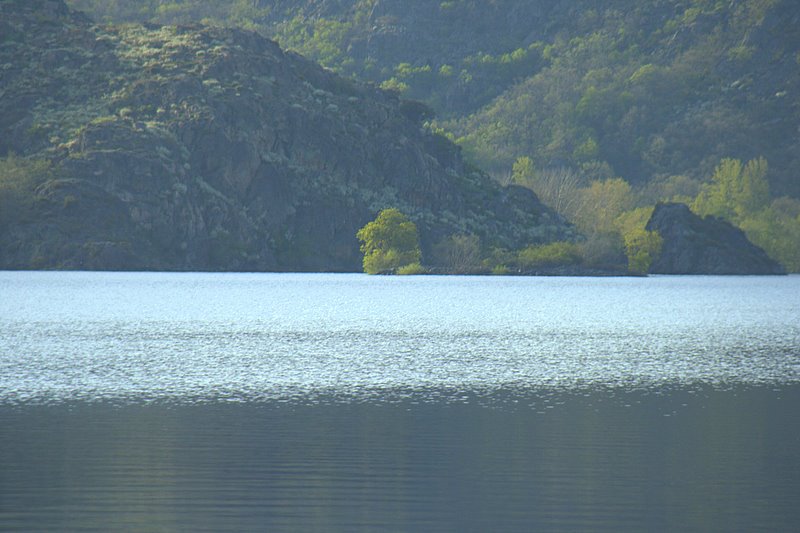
<point>389,242</point>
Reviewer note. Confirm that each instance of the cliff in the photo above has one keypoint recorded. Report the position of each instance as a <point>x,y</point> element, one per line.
<point>199,148</point>
<point>709,245</point>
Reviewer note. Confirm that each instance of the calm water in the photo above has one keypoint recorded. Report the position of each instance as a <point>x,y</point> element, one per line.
<point>352,403</point>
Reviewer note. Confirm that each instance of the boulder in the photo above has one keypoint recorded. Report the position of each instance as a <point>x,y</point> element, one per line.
<point>709,245</point>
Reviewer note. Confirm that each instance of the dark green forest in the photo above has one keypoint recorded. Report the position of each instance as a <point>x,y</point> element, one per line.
<point>601,108</point>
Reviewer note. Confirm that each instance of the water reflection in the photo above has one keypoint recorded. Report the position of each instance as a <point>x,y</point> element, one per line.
<point>348,403</point>
<point>704,460</point>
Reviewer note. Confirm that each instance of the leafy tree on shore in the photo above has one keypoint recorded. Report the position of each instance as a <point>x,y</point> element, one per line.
<point>642,247</point>
<point>740,194</point>
<point>389,242</point>
<point>735,190</point>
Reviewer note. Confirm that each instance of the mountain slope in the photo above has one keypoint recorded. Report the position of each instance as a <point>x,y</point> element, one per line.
<point>637,89</point>
<point>203,148</point>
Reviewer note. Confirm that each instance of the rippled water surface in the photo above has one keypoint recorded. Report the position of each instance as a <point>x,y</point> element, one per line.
<point>90,336</point>
<point>148,401</point>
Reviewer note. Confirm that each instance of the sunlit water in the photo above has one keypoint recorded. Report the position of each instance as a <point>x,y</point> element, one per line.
<point>146,401</point>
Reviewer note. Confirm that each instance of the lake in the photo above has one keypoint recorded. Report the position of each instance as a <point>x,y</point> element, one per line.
<point>344,402</point>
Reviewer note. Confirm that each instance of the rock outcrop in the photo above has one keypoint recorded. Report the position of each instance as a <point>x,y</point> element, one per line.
<point>709,245</point>
<point>200,148</point>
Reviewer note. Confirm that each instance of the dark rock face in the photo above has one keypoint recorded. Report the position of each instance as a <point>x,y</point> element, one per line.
<point>197,148</point>
<point>694,245</point>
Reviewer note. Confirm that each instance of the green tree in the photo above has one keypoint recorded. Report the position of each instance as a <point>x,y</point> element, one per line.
<point>602,203</point>
<point>553,254</point>
<point>736,191</point>
<point>523,172</point>
<point>642,247</point>
<point>389,242</point>
<point>777,231</point>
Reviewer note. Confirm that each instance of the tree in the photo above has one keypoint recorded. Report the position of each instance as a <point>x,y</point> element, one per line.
<point>522,172</point>
<point>602,202</point>
<point>546,255</point>
<point>736,191</point>
<point>389,242</point>
<point>642,247</point>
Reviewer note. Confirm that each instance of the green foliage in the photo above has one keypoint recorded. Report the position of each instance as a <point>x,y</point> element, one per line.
<point>603,250</point>
<point>655,93</point>
<point>647,98</point>
<point>499,259</point>
<point>647,88</point>
<point>777,230</point>
<point>634,220</point>
<point>241,13</point>
<point>559,188</point>
<point>413,269</point>
<point>523,172</point>
<point>642,248</point>
<point>18,179</point>
<point>322,39</point>
<point>553,254</point>
<point>389,242</point>
<point>601,204</point>
<point>679,189</point>
<point>735,191</point>
<point>740,194</point>
<point>500,270</point>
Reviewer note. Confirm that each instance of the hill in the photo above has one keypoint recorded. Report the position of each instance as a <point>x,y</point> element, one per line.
<point>660,93</point>
<point>631,88</point>
<point>206,148</point>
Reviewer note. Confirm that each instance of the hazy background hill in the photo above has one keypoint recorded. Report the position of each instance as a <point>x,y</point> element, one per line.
<point>601,108</point>
<point>566,96</point>
<point>648,88</point>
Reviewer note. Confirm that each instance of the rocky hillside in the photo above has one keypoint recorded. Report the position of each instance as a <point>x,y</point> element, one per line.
<point>639,89</point>
<point>204,148</point>
<point>708,245</point>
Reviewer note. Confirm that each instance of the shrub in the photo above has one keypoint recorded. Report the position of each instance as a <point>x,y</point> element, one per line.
<point>389,242</point>
<point>412,269</point>
<point>642,247</point>
<point>553,254</point>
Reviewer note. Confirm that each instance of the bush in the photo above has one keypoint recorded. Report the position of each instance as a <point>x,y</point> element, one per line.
<point>500,270</point>
<point>642,247</point>
<point>389,242</point>
<point>603,250</point>
<point>553,254</point>
<point>412,270</point>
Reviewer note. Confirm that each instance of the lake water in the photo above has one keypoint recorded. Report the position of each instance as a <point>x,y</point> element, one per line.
<point>316,402</point>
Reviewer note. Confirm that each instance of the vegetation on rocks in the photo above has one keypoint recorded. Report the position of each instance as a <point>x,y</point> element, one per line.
<point>390,243</point>
<point>601,110</point>
<point>202,147</point>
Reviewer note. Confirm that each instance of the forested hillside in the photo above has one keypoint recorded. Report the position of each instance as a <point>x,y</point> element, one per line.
<point>205,148</point>
<point>648,88</point>
<point>565,96</point>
